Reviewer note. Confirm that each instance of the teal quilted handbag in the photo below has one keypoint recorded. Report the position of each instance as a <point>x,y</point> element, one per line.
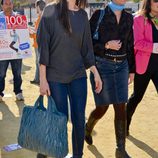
<point>44,130</point>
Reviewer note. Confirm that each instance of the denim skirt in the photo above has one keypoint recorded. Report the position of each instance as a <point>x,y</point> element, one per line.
<point>114,76</point>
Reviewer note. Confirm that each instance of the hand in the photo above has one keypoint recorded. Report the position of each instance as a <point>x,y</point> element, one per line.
<point>31,30</point>
<point>97,79</point>
<point>114,44</point>
<point>131,78</point>
<point>98,82</point>
<point>44,88</point>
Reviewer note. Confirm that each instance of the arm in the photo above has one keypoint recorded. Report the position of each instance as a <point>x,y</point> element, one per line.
<point>32,32</point>
<point>87,47</point>
<point>43,40</point>
<point>140,43</point>
<point>97,79</point>
<point>88,56</point>
<point>130,50</point>
<point>44,87</point>
<point>130,53</point>
<point>98,46</point>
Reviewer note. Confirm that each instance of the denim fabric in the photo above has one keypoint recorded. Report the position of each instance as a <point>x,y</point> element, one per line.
<point>115,82</point>
<point>76,91</point>
<point>37,66</point>
<point>16,70</point>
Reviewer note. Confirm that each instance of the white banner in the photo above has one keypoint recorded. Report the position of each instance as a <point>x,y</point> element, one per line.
<point>14,38</point>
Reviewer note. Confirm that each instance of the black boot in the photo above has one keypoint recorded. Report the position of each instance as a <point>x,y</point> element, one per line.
<point>41,156</point>
<point>120,132</point>
<point>95,116</point>
<point>88,130</point>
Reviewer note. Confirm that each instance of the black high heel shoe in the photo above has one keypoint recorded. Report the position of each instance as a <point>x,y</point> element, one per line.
<point>41,156</point>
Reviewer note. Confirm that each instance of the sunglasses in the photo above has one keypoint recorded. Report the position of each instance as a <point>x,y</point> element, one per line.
<point>155,1</point>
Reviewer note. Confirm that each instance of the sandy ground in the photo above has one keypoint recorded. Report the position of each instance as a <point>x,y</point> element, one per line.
<point>142,143</point>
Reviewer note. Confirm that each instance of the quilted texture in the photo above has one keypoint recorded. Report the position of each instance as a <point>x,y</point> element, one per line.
<point>44,130</point>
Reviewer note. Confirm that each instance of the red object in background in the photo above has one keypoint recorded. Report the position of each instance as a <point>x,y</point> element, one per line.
<point>16,22</point>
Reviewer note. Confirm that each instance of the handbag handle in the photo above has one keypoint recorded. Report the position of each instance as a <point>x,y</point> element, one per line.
<point>96,34</point>
<point>51,104</point>
<point>102,12</point>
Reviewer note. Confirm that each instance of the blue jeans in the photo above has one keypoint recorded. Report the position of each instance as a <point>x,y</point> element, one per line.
<point>16,70</point>
<point>76,91</point>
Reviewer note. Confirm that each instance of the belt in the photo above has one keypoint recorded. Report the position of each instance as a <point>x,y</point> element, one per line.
<point>115,59</point>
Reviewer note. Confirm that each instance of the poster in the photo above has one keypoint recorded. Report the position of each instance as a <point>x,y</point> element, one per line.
<point>14,38</point>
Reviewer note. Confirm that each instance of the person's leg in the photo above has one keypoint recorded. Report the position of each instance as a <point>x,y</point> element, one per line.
<point>78,96</point>
<point>94,117</point>
<point>140,85</point>
<point>3,69</point>
<point>16,70</point>
<point>100,99</point>
<point>36,78</point>
<point>120,130</point>
<point>12,46</point>
<point>59,93</point>
<point>37,65</point>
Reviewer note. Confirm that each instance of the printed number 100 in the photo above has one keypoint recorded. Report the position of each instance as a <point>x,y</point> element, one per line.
<point>13,20</point>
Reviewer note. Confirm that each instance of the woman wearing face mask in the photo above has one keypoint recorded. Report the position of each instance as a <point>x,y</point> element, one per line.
<point>146,53</point>
<point>114,54</point>
<point>66,51</point>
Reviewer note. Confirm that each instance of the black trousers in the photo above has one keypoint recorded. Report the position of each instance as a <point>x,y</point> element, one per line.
<point>141,82</point>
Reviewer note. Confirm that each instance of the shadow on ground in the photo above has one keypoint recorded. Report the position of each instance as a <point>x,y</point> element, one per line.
<point>95,151</point>
<point>146,148</point>
<point>9,125</point>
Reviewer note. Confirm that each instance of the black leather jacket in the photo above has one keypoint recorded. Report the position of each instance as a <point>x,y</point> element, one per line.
<point>109,29</point>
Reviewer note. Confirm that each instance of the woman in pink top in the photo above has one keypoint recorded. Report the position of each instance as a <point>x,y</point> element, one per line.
<point>146,53</point>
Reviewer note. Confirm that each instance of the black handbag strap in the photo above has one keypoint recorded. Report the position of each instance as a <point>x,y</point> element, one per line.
<point>102,13</point>
<point>51,104</point>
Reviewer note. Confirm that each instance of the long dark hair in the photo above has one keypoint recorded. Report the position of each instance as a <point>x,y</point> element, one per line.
<point>146,9</point>
<point>62,8</point>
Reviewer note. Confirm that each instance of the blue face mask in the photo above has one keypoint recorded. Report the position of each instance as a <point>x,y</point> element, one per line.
<point>114,7</point>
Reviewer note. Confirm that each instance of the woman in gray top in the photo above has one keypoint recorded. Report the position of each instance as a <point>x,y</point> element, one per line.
<point>65,48</point>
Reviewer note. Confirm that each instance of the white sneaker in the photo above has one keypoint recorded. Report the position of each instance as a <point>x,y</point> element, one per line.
<point>19,97</point>
<point>1,98</point>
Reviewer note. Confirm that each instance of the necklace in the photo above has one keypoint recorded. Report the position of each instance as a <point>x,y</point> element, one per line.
<point>154,19</point>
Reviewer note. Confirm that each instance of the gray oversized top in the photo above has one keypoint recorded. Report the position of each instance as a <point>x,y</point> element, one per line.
<point>66,56</point>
